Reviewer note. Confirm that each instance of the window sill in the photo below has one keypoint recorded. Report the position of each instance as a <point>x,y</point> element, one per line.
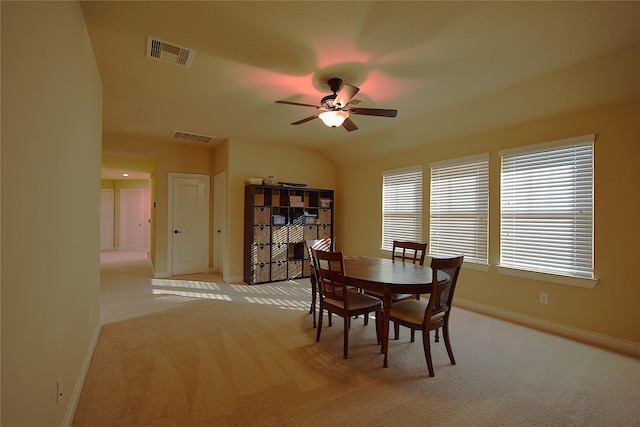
<point>579,282</point>
<point>427,260</point>
<point>386,253</point>
<point>476,266</point>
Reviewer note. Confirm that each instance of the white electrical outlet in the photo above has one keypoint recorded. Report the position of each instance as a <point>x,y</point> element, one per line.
<point>544,298</point>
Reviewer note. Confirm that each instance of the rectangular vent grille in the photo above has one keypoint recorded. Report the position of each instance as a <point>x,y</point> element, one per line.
<point>169,52</point>
<point>192,137</point>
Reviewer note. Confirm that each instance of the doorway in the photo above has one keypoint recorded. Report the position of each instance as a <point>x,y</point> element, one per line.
<point>134,220</point>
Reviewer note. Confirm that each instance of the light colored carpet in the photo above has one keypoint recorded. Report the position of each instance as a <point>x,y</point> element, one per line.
<point>217,354</point>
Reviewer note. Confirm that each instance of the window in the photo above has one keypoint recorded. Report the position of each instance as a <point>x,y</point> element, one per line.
<point>546,208</point>
<point>401,206</point>
<point>459,214</point>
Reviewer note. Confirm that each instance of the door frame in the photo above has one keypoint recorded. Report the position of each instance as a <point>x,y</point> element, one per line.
<point>172,176</point>
<point>219,221</point>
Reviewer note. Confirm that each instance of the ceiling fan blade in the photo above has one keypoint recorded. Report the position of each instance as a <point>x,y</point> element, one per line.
<point>296,103</point>
<point>349,125</point>
<point>305,120</point>
<point>344,96</point>
<point>374,112</point>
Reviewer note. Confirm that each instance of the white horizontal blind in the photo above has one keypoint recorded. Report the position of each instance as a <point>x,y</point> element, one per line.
<point>546,221</point>
<point>459,218</point>
<point>401,206</point>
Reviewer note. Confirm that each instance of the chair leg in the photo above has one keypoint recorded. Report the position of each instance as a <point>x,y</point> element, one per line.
<point>396,331</point>
<point>413,335</point>
<point>313,308</point>
<point>314,297</point>
<point>346,336</point>
<point>319,323</point>
<point>437,335</point>
<point>447,343</point>
<point>427,351</point>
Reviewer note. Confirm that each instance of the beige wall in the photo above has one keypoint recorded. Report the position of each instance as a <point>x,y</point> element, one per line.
<point>51,131</point>
<point>610,309</point>
<point>253,159</point>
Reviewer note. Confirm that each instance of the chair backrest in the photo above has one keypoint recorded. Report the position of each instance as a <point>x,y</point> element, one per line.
<point>445,273</point>
<point>409,251</point>
<point>322,244</point>
<point>330,274</point>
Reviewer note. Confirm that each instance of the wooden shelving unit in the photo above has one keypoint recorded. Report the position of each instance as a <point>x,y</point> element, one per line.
<point>277,222</point>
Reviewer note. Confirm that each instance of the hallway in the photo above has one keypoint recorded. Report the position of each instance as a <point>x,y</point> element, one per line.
<point>128,289</point>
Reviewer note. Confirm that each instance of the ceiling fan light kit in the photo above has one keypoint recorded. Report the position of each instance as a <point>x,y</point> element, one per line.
<point>336,109</point>
<point>333,118</point>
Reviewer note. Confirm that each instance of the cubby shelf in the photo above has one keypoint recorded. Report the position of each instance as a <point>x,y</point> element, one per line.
<point>277,222</point>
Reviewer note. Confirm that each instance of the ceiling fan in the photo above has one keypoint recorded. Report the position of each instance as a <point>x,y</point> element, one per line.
<point>334,109</point>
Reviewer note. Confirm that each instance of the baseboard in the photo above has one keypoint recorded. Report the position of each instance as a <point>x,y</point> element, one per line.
<point>233,279</point>
<point>77,389</point>
<point>161,275</point>
<point>629,348</point>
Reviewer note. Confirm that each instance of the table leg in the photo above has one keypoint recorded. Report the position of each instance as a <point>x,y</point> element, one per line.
<point>386,313</point>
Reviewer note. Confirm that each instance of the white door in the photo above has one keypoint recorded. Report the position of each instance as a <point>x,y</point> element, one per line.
<point>219,218</point>
<point>189,223</point>
<point>132,220</point>
<point>106,219</point>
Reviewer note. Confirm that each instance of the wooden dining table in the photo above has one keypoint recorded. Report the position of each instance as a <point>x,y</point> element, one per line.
<point>387,277</point>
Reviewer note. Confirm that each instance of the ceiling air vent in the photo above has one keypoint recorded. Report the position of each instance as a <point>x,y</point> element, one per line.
<point>169,52</point>
<point>192,137</point>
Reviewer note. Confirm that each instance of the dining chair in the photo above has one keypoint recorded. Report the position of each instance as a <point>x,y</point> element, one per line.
<point>431,315</point>
<point>409,251</point>
<point>322,244</point>
<point>337,298</point>
<point>413,252</point>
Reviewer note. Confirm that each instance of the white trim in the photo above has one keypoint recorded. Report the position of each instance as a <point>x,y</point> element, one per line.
<point>580,282</point>
<point>476,266</point>
<point>233,279</point>
<point>401,170</point>
<point>576,140</point>
<point>592,338</point>
<point>460,160</point>
<point>161,275</point>
<point>427,261</point>
<point>82,375</point>
<point>219,222</point>
<point>386,253</point>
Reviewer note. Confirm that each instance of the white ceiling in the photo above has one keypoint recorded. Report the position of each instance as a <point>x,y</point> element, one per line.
<point>449,68</point>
